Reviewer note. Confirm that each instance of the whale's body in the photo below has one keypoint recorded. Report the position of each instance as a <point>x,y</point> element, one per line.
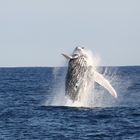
<point>77,70</point>
<point>81,73</point>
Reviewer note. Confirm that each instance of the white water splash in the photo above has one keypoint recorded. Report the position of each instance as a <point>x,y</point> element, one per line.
<point>88,97</point>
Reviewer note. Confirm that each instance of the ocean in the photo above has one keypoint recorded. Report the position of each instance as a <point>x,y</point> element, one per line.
<point>31,108</point>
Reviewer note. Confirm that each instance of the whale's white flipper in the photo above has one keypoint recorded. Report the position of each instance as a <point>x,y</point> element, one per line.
<point>105,83</point>
<point>70,56</point>
<point>67,56</point>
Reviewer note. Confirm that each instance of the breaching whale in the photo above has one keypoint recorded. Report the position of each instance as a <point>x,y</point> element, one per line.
<point>81,73</point>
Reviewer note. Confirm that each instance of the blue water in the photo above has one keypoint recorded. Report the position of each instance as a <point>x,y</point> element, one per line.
<point>24,115</point>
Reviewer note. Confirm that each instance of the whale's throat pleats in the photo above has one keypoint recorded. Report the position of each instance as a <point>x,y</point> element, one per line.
<point>74,78</point>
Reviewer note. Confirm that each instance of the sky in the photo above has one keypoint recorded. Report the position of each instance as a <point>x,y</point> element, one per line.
<point>36,32</point>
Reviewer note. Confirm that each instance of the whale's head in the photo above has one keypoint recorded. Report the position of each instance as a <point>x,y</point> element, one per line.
<point>79,51</point>
<point>80,55</point>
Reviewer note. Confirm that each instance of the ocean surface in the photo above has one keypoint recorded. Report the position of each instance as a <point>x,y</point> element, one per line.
<point>28,110</point>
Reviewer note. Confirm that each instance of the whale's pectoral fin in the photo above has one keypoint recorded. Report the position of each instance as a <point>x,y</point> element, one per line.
<point>105,83</point>
<point>70,56</point>
<point>67,56</point>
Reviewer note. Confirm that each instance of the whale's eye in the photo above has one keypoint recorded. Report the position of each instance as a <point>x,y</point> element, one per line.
<point>83,47</point>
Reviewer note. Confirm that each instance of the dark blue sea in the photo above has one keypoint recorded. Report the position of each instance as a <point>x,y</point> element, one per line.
<point>24,114</point>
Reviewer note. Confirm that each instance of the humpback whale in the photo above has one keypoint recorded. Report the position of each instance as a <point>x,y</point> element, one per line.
<point>81,73</point>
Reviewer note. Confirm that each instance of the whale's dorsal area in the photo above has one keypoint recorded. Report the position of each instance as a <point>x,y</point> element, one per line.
<point>79,74</point>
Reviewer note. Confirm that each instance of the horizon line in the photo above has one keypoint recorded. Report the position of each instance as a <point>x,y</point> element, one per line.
<point>66,66</point>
